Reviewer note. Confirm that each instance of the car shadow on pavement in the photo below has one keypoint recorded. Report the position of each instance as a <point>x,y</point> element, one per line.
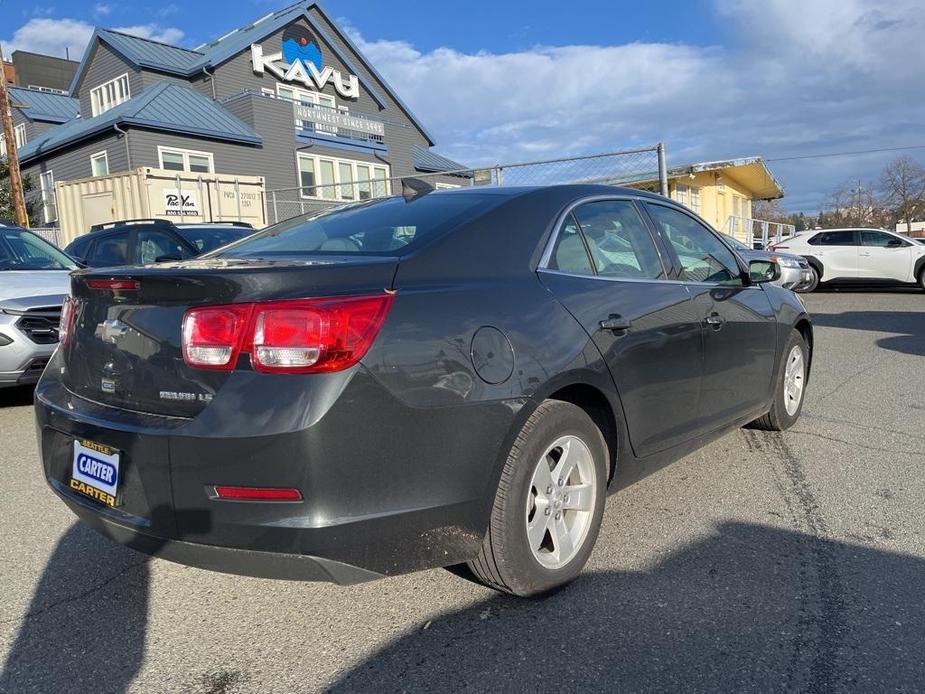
<point>84,630</point>
<point>17,396</point>
<point>749,608</point>
<point>909,326</point>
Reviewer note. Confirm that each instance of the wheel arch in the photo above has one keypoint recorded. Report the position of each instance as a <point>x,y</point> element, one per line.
<point>816,264</point>
<point>919,268</point>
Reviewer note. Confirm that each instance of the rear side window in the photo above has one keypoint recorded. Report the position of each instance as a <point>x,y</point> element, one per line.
<point>619,242</point>
<point>570,254</point>
<point>150,245</point>
<point>392,226</point>
<point>834,238</point>
<point>109,251</point>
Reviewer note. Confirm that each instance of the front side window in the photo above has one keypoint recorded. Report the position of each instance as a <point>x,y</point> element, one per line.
<point>845,237</point>
<point>22,250</point>
<point>151,245</point>
<point>703,257</point>
<point>109,94</point>
<point>619,243</point>
<point>392,226</point>
<point>879,239</point>
<point>185,160</point>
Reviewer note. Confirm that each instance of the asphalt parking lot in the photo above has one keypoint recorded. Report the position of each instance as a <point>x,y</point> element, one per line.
<point>763,562</point>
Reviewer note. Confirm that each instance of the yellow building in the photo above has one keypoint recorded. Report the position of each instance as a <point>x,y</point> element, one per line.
<point>722,192</point>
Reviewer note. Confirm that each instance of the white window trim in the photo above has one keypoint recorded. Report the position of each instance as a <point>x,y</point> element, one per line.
<point>185,153</point>
<point>318,158</point>
<point>98,105</point>
<point>105,155</point>
<point>46,194</point>
<point>20,135</point>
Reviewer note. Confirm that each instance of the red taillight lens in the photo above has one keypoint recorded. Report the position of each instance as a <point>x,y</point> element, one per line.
<point>313,335</point>
<point>292,336</point>
<point>212,335</point>
<point>256,494</point>
<point>778,248</point>
<point>115,285</point>
<point>66,324</point>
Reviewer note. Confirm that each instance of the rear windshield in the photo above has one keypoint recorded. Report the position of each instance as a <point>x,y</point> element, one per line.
<point>382,227</point>
<point>207,239</point>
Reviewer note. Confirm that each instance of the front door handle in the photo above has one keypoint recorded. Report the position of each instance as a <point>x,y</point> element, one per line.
<point>615,323</point>
<point>715,321</point>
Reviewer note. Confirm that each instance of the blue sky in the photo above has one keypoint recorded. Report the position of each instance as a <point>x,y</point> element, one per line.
<point>509,81</point>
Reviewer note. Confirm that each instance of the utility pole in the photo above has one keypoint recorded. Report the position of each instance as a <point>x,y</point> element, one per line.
<point>6,116</point>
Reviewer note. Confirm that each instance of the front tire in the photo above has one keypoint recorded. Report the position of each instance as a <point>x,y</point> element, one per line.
<point>549,504</point>
<point>922,279</point>
<point>790,388</point>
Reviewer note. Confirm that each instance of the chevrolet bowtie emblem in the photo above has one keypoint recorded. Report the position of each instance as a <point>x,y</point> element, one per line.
<point>111,330</point>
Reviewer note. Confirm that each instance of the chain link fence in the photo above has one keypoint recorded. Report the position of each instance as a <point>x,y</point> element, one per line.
<point>643,167</point>
<point>50,234</point>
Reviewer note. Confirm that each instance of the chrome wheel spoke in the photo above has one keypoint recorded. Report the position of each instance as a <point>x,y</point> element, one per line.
<point>536,528</point>
<point>578,497</point>
<point>563,546</point>
<point>794,378</point>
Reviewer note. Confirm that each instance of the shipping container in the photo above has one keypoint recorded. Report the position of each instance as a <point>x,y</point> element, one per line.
<point>147,193</point>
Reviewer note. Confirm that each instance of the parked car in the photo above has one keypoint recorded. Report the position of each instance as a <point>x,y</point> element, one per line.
<point>146,241</point>
<point>864,256</point>
<point>795,273</point>
<point>34,279</point>
<point>412,382</point>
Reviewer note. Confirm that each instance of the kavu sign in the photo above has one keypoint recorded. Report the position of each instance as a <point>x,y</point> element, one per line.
<point>300,61</point>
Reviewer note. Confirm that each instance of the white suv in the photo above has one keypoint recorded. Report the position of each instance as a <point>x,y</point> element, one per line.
<point>858,255</point>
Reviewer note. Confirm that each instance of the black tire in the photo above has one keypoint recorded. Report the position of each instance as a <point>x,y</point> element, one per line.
<point>506,561</point>
<point>813,285</point>
<point>778,418</point>
<point>922,278</point>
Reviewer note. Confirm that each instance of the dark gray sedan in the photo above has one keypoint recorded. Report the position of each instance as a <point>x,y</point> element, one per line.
<point>412,382</point>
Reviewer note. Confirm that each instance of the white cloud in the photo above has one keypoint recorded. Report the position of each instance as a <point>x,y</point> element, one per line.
<point>798,77</point>
<point>102,9</point>
<point>51,36</point>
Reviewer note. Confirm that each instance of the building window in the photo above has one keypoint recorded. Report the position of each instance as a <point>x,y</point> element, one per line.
<point>341,179</point>
<point>47,90</point>
<point>185,160</point>
<point>49,207</point>
<point>695,200</point>
<point>2,146</point>
<point>109,94</point>
<point>99,164</point>
<point>19,132</point>
<point>680,193</point>
<point>313,99</point>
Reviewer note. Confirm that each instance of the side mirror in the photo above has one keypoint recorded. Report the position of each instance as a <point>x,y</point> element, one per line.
<point>894,243</point>
<point>762,271</point>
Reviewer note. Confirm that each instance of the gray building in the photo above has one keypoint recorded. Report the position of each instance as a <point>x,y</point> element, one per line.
<point>289,98</point>
<point>43,72</point>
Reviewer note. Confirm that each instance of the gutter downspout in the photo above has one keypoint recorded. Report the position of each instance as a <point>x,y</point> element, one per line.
<point>128,152</point>
<point>211,77</point>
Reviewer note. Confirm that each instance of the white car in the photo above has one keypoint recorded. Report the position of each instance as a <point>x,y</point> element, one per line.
<point>862,256</point>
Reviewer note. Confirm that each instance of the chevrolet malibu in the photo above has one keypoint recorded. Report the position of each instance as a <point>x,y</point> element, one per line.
<point>414,382</point>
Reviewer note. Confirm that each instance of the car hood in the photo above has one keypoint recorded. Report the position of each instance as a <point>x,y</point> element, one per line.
<point>21,290</point>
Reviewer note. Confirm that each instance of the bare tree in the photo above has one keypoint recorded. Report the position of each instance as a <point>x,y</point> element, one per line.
<point>770,210</point>
<point>854,203</point>
<point>902,185</point>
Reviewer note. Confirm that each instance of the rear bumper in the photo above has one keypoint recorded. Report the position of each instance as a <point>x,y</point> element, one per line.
<point>384,493</point>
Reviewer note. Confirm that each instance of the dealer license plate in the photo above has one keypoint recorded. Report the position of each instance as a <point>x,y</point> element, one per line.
<point>95,472</point>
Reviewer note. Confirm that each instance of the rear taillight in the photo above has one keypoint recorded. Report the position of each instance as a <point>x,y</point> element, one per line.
<point>65,326</point>
<point>212,335</point>
<point>292,336</point>
<point>115,285</point>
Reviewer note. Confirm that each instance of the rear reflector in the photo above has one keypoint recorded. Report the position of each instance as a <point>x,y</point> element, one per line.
<point>291,336</point>
<point>256,494</point>
<point>115,285</point>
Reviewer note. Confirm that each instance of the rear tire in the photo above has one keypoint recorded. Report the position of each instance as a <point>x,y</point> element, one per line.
<point>813,285</point>
<point>549,504</point>
<point>790,388</point>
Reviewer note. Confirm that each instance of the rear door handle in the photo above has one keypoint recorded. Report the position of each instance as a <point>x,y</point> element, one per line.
<point>715,320</point>
<point>615,323</point>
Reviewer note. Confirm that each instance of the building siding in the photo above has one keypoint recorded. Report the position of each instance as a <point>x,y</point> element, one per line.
<point>105,64</point>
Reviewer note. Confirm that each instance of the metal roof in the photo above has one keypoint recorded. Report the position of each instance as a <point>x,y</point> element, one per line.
<point>187,63</point>
<point>164,106</point>
<point>44,106</point>
<point>431,162</point>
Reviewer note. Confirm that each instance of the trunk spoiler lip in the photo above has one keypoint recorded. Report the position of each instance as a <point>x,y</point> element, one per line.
<point>235,265</point>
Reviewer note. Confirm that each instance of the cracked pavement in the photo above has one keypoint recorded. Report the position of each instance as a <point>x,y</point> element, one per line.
<point>762,562</point>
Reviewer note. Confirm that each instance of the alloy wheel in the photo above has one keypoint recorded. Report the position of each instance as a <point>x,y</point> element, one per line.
<point>794,380</point>
<point>561,501</point>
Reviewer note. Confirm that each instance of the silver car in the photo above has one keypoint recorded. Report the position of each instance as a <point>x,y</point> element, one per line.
<point>34,279</point>
<point>795,273</point>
